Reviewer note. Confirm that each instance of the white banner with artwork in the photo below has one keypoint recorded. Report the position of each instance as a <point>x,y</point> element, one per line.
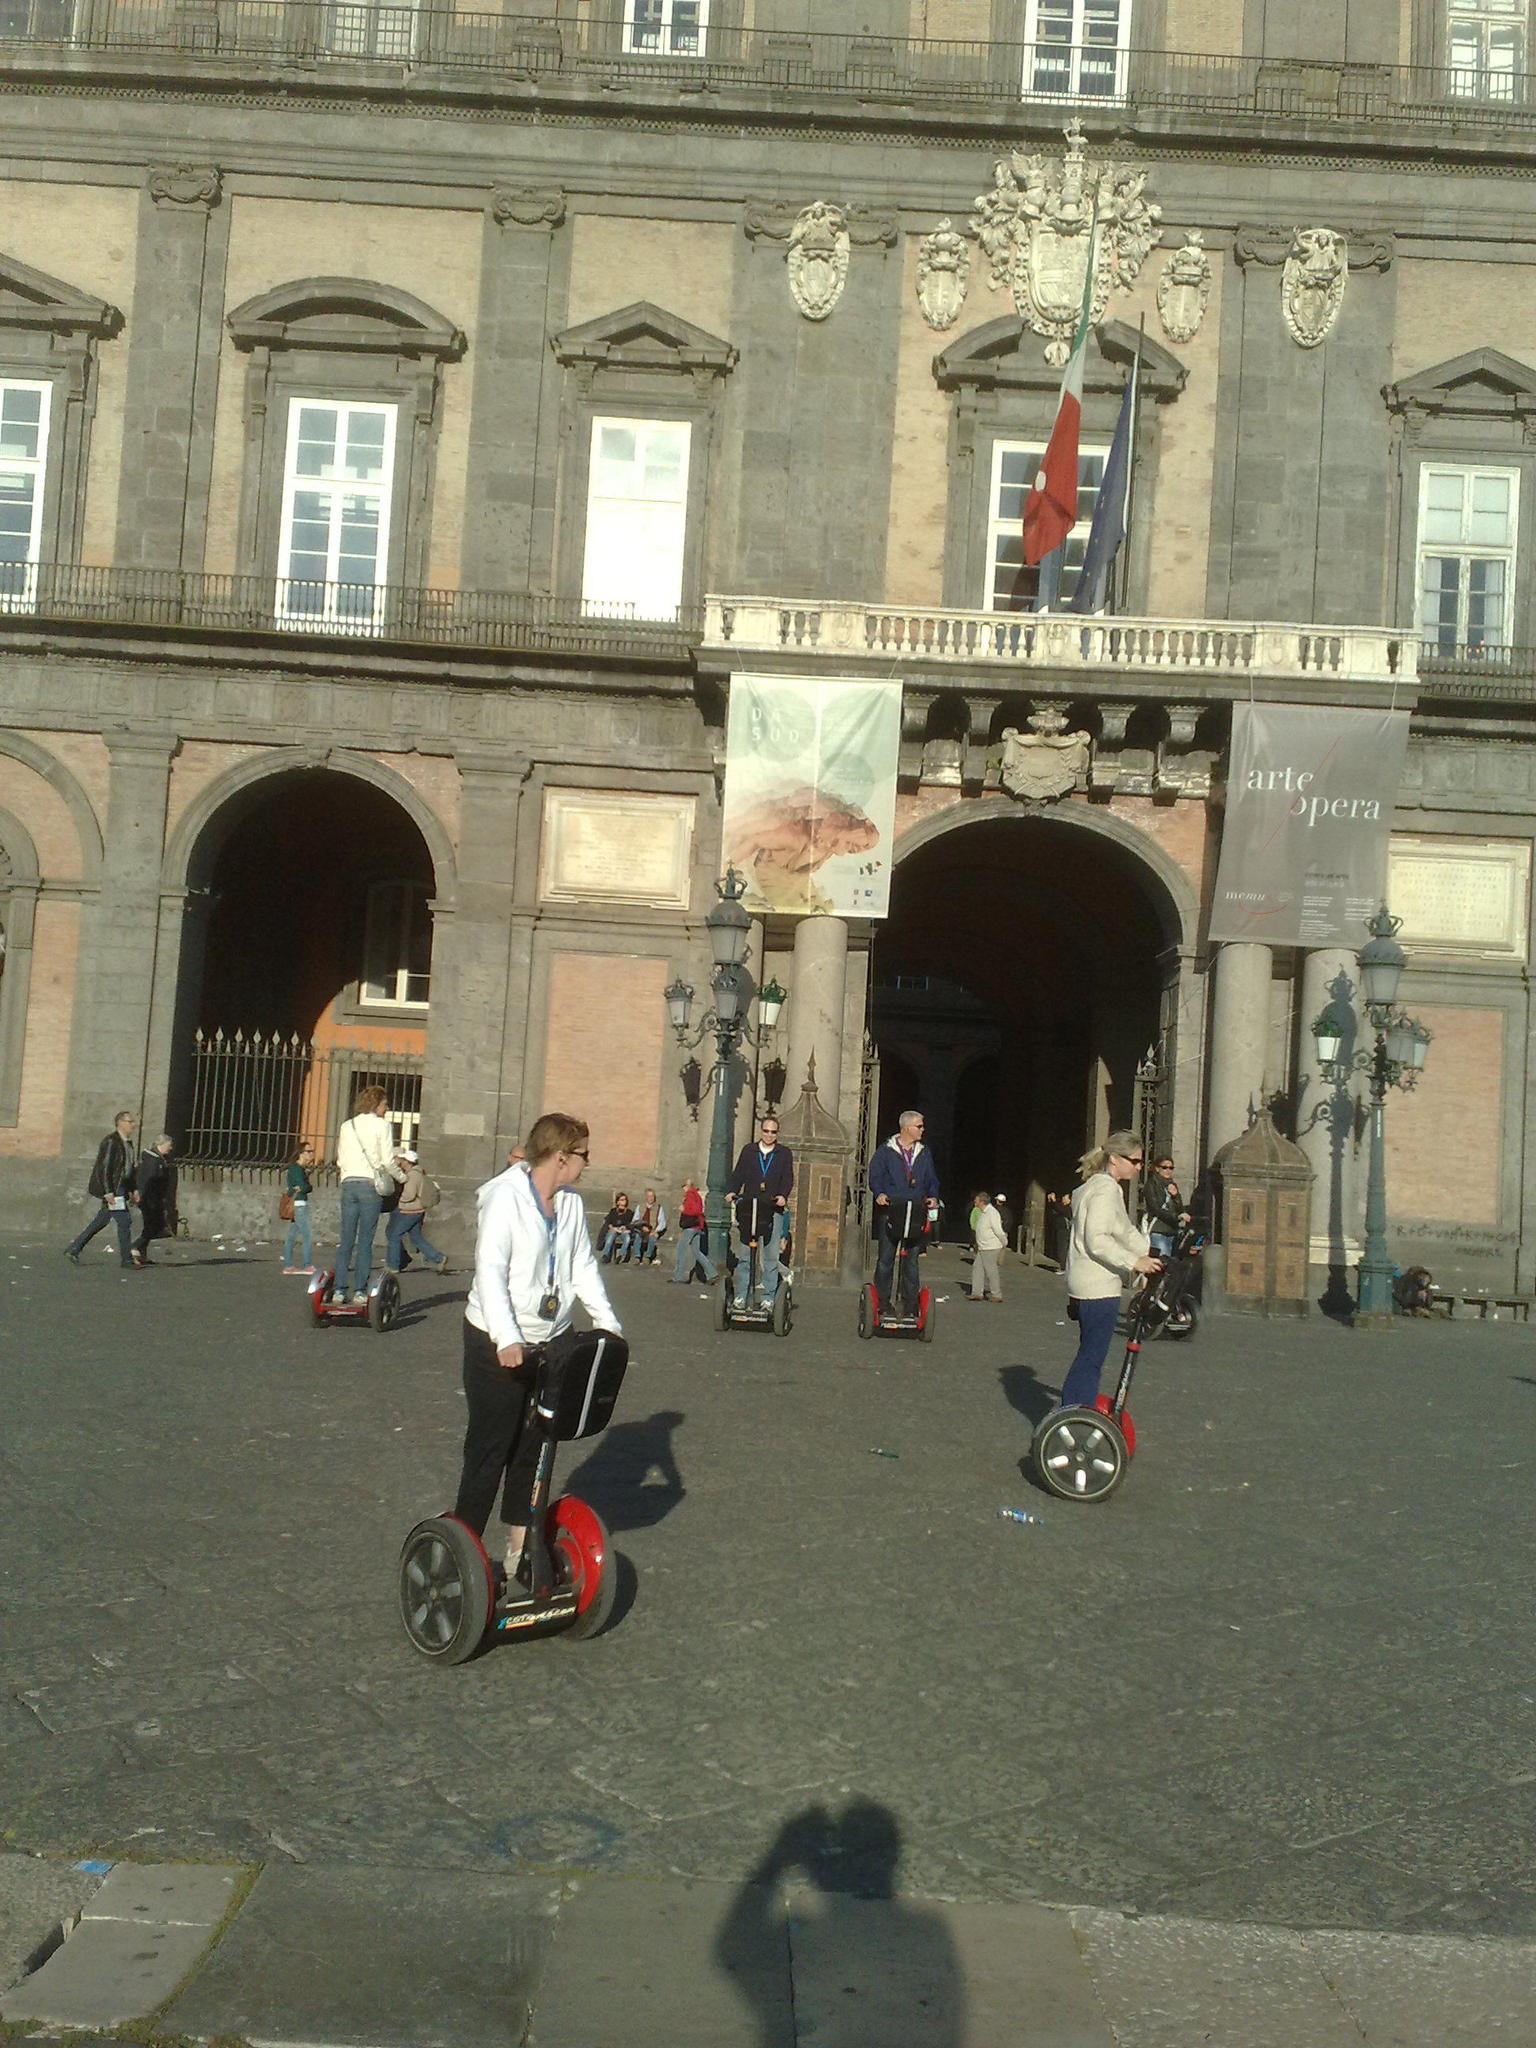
<point>810,793</point>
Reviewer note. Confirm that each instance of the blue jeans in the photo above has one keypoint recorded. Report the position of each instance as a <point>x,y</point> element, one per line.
<point>691,1253</point>
<point>889,1237</point>
<point>1095,1327</point>
<point>361,1204</point>
<point>405,1228</point>
<point>300,1234</point>
<point>613,1246</point>
<point>767,1261</point>
<point>122,1218</point>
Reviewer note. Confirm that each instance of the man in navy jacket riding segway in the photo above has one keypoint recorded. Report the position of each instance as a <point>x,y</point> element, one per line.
<point>901,1173</point>
<point>761,1187</point>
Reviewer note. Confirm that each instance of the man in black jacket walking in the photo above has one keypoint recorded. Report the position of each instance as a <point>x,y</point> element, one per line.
<point>113,1181</point>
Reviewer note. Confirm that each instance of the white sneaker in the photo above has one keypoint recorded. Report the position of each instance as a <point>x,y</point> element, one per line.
<point>359,1300</point>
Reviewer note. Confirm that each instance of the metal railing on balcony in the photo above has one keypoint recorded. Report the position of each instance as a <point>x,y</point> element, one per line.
<point>1493,674</point>
<point>254,1100</point>
<point>390,612</point>
<point>683,51</point>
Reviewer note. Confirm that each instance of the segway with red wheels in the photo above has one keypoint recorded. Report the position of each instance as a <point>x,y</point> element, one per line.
<point>875,1321</point>
<point>752,1312</point>
<point>453,1598</point>
<point>1082,1453</point>
<point>379,1308</point>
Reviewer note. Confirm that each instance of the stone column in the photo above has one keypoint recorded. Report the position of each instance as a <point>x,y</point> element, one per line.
<point>1239,1042</point>
<point>816,1008</point>
<point>1330,1143</point>
<point>173,361</point>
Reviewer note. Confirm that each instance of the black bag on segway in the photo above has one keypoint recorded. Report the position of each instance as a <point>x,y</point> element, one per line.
<point>579,1382</point>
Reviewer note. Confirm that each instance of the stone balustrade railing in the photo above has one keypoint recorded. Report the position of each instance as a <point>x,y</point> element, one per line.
<point>1211,650</point>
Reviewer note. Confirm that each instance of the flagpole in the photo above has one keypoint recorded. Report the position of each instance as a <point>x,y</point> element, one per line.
<point>1130,481</point>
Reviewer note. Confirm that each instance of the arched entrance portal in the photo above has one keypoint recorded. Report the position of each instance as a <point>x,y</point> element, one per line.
<point>307,974</point>
<point>1025,967</point>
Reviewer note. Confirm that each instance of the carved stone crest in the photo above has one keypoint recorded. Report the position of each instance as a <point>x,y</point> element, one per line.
<point>1046,762</point>
<point>1312,283</point>
<point>818,258</point>
<point>185,185</point>
<point>527,207</point>
<point>1037,227</point>
<point>1184,288</point>
<point>943,274</point>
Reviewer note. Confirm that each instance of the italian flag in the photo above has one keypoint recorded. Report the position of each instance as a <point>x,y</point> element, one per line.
<point>1050,510</point>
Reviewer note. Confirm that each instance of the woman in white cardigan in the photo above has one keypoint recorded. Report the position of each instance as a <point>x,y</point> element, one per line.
<point>365,1167</point>
<point>1106,1251</point>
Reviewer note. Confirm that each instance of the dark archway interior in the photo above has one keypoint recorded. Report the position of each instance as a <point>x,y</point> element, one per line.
<point>288,887</point>
<point>1016,984</point>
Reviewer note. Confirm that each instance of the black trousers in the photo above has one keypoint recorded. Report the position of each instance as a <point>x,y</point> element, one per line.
<point>888,1238</point>
<point>499,1447</point>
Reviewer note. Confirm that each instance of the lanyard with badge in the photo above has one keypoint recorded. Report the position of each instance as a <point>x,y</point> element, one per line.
<point>549,1306</point>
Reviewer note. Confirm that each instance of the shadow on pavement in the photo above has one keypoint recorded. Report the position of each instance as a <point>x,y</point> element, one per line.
<point>1032,1396</point>
<point>617,1476</point>
<point>856,1942</point>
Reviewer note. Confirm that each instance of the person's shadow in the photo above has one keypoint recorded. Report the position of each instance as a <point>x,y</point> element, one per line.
<point>844,1958</point>
<point>1028,1393</point>
<point>632,1476</point>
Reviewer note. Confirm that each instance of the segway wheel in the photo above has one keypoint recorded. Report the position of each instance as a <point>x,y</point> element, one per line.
<point>315,1299</point>
<point>869,1312</point>
<point>1122,1422</point>
<point>583,1553</point>
<point>783,1313</point>
<point>1079,1454</point>
<point>1183,1320</point>
<point>927,1315</point>
<point>723,1306</point>
<point>384,1302</point>
<point>445,1590</point>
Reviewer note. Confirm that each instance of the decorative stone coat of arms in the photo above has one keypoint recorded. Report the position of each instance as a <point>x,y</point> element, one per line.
<point>1046,762</point>
<point>818,258</point>
<point>1184,288</point>
<point>943,274</point>
<point>1039,223</point>
<point>1312,283</point>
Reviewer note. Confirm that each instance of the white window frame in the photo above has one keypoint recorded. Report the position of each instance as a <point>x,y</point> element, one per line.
<point>369,28</point>
<point>388,906</point>
<point>1485,47</point>
<point>335,611</point>
<point>999,524</point>
<point>18,591</point>
<point>38,21</point>
<point>1466,552</point>
<point>659,36</point>
<point>603,591</point>
<point>1083,64</point>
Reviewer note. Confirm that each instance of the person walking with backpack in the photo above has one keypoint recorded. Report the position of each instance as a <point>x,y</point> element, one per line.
<point>114,1182</point>
<point>365,1166</point>
<point>418,1193</point>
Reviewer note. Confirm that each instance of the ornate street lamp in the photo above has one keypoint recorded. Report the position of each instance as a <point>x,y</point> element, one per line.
<point>1395,1060</point>
<point>730,930</point>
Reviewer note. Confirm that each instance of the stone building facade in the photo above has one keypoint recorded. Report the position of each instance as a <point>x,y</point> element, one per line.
<point>394,473</point>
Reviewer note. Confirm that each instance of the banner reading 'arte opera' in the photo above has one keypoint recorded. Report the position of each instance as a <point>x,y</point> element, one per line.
<point>1309,811</point>
<point>810,793</point>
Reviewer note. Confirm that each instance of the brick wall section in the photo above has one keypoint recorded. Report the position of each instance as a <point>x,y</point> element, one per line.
<point>46,817</point>
<point>606,1028</point>
<point>1444,1138</point>
<point>50,1013</point>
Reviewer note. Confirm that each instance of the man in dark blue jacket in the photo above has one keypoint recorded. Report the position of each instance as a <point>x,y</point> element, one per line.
<point>761,1187</point>
<point>905,1186</point>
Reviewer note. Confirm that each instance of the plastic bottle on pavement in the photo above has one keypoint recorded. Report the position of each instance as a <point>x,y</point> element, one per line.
<point>1016,1515</point>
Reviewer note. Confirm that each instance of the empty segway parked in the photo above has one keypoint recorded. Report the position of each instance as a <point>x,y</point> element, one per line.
<point>1082,1453</point>
<point>452,1598</point>
<point>752,1315</point>
<point>378,1310</point>
<point>875,1321</point>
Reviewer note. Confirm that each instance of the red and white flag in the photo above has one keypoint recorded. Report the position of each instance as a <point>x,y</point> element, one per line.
<point>1050,510</point>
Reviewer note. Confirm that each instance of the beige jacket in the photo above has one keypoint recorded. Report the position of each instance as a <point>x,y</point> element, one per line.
<point>1105,1242</point>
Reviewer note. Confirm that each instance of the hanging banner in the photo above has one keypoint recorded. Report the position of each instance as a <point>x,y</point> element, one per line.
<point>810,793</point>
<point>1309,810</point>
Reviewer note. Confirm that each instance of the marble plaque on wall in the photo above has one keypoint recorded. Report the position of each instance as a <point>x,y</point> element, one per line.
<point>1458,895</point>
<point>616,846</point>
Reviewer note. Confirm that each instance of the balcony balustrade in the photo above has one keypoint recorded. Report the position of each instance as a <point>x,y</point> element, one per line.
<point>640,50</point>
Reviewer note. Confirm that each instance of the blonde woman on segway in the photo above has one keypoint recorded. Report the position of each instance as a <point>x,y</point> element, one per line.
<point>1106,1251</point>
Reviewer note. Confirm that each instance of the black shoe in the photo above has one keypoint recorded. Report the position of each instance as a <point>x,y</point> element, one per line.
<point>72,1255</point>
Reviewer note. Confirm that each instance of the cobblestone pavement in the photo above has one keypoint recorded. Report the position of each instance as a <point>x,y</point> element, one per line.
<point>1283,1676</point>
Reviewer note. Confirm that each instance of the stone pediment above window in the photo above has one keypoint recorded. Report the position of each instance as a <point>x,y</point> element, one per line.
<point>644,337</point>
<point>1483,384</point>
<point>31,300</point>
<point>1004,355</point>
<point>346,315</point>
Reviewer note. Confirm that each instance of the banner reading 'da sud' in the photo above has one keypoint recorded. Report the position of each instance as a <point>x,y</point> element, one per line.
<point>810,793</point>
<point>1309,810</point>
